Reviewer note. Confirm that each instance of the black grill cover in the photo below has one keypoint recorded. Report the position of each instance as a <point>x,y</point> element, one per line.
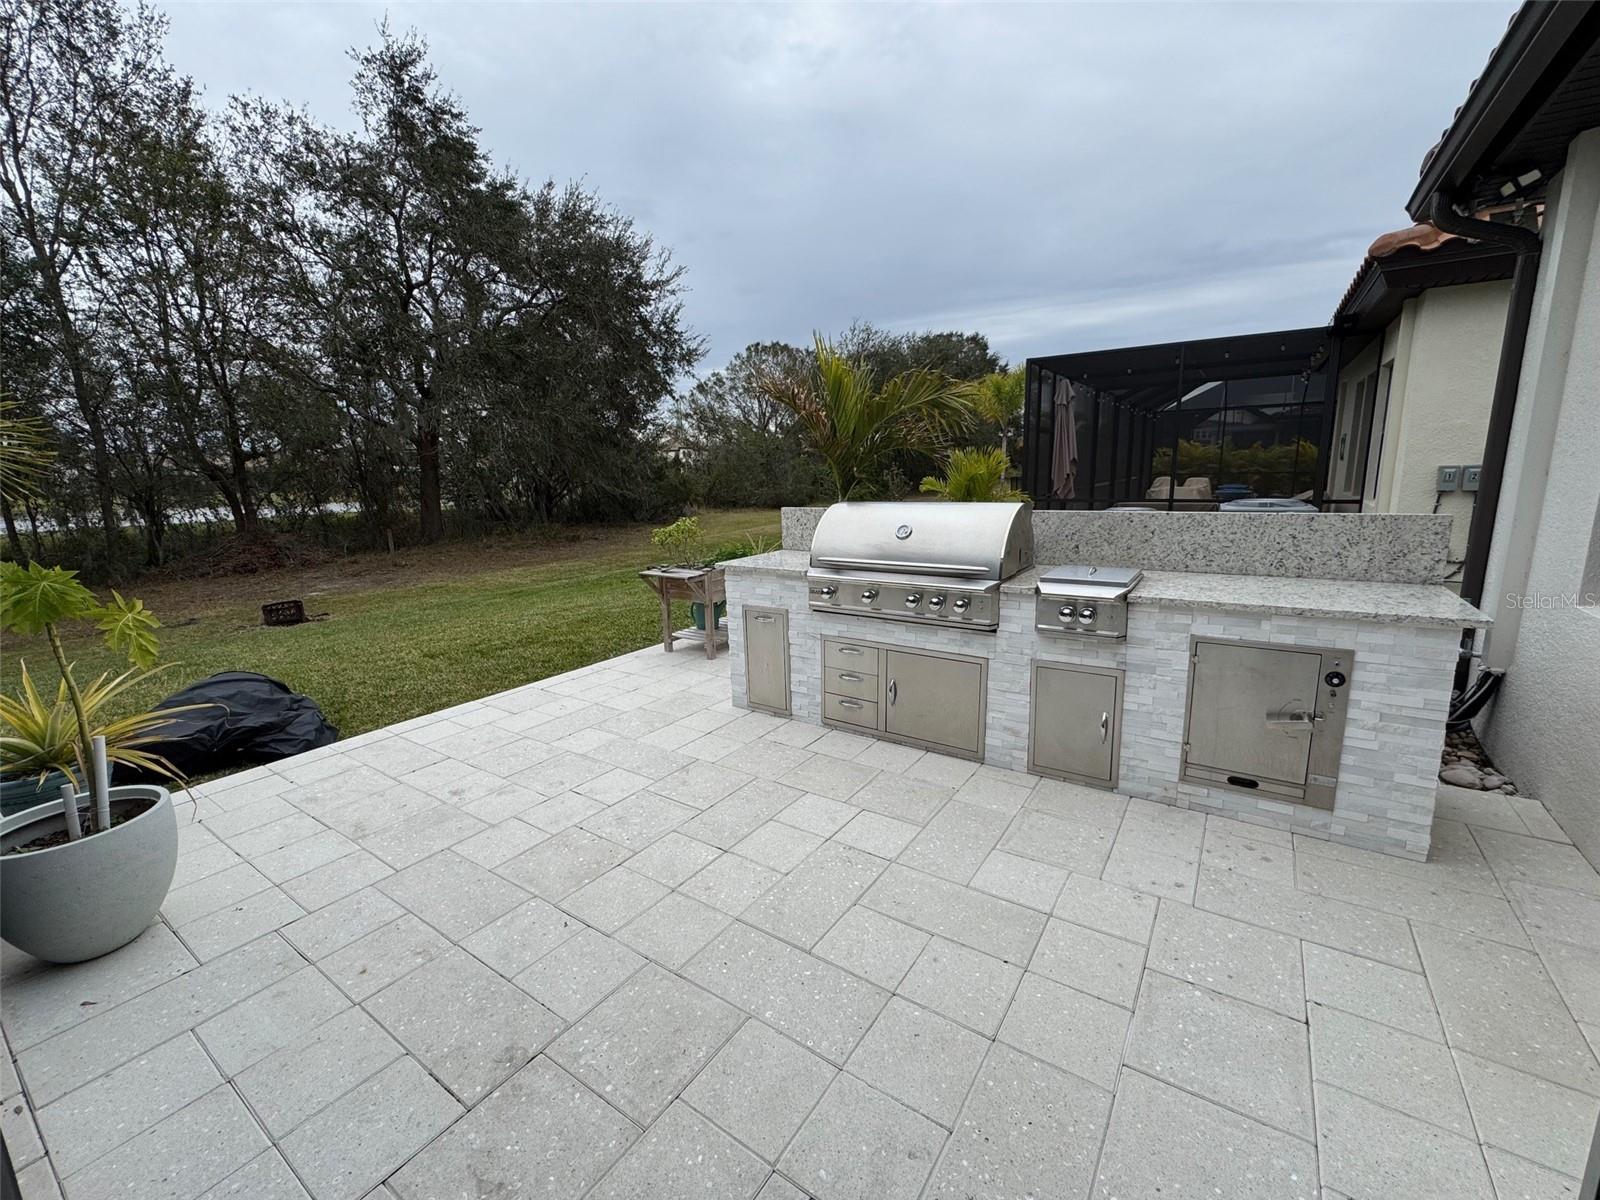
<point>250,719</point>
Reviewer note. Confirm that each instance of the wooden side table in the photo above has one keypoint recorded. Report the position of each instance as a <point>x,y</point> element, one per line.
<point>703,585</point>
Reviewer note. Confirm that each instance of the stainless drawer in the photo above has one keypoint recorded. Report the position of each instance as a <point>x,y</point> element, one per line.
<point>850,656</point>
<point>850,683</point>
<point>850,711</point>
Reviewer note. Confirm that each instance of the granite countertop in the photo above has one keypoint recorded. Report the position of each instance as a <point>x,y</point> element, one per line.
<point>1386,603</point>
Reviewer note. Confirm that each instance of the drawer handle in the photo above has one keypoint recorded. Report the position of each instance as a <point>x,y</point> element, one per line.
<point>849,677</point>
<point>850,650</point>
<point>849,704</point>
<point>1105,726</point>
<point>894,690</point>
<point>762,616</point>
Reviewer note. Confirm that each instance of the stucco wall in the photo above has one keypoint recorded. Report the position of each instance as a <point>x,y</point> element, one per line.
<point>1545,726</point>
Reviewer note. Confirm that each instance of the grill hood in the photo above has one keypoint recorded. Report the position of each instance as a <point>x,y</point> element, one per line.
<point>976,541</point>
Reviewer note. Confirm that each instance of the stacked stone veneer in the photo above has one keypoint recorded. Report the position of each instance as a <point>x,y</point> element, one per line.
<point>1394,722</point>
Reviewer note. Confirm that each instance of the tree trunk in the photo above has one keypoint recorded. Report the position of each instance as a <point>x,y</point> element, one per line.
<point>430,501</point>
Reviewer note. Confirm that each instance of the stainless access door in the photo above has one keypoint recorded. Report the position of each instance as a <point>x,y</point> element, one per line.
<point>1074,723</point>
<point>934,700</point>
<point>766,659</point>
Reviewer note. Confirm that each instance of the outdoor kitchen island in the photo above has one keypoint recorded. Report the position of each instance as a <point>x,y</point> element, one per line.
<point>1377,657</point>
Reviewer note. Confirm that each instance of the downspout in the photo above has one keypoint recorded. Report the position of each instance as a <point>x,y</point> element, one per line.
<point>1527,245</point>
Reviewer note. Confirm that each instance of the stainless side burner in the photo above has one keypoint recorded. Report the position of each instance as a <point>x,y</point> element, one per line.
<point>1084,601</point>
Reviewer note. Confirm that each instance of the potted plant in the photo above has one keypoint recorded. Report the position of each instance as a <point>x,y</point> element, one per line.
<point>87,871</point>
<point>684,544</point>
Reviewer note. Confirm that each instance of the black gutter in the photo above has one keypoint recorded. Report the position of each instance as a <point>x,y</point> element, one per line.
<point>1527,245</point>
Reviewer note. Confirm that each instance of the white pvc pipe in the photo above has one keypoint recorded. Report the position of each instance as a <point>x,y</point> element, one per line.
<point>69,808</point>
<point>102,787</point>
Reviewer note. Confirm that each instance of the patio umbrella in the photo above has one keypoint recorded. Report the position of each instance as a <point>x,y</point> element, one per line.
<point>1064,453</point>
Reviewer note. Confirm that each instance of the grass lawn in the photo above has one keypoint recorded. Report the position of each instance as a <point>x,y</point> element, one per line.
<point>410,633</point>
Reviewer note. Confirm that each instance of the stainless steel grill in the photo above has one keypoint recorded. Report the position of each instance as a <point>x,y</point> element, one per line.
<point>930,563</point>
<point>1085,601</point>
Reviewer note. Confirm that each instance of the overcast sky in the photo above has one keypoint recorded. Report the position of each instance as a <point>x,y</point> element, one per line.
<point>1058,177</point>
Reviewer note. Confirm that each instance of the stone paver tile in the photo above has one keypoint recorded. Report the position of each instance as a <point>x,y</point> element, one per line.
<point>1003,793</point>
<point>453,895</point>
<point>467,1025</point>
<point>673,930</point>
<point>98,1117</point>
<point>560,773</point>
<point>818,815</point>
<point>396,757</point>
<point>638,820</point>
<point>1518,1179</point>
<point>1398,1070</point>
<point>73,1057</point>
<point>1498,1002</point>
<point>1070,845</point>
<point>777,845</point>
<point>21,1133</point>
<point>358,1140</point>
<point>701,784</point>
<point>1090,961</point>
<point>1535,860</point>
<point>507,800</point>
<point>1078,802</point>
<point>919,1058</point>
<point>731,883</point>
<point>943,770</point>
<point>1299,914</point>
<point>1486,810</point>
<point>1026,1129</point>
<point>1265,853</point>
<point>891,756</point>
<point>804,905</point>
<point>1162,1140</point>
<point>419,835</point>
<point>1555,912</point>
<point>683,1157</point>
<point>1067,1028</point>
<point>641,1045</point>
<point>517,940</point>
<point>871,945</point>
<point>541,1135</point>
<point>760,1087</point>
<point>1155,874</point>
<point>1228,956</point>
<point>184,1155</point>
<point>733,818</point>
<point>1151,828</point>
<point>273,1017</point>
<point>877,834</point>
<point>1414,899</point>
<point>49,998</point>
<point>902,798</point>
<point>860,1144</point>
<point>974,919</point>
<point>372,963</point>
<point>614,899</point>
<point>288,1086</point>
<point>766,759</point>
<point>573,977</point>
<point>817,1004</point>
<point>561,812</point>
<point>262,840</point>
<point>1020,880</point>
<point>203,861</point>
<point>318,850</point>
<point>344,921</point>
<point>1374,990</point>
<point>653,762</point>
<point>779,1188</point>
<point>239,923</point>
<point>1369,1150</point>
<point>966,985</point>
<point>1254,1061</point>
<point>334,881</point>
<point>399,814</point>
<point>1575,970</point>
<point>840,744</point>
<point>673,858</point>
<point>1550,1124</point>
<point>206,896</point>
<point>1108,907</point>
<point>613,786</point>
<point>500,842</point>
<point>265,1177</point>
<point>559,866</point>
<point>1538,819</point>
<point>955,841</point>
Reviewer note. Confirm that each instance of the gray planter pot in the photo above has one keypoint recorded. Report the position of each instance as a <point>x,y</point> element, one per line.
<point>87,898</point>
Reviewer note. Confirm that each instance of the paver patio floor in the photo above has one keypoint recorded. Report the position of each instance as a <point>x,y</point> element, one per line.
<point>608,936</point>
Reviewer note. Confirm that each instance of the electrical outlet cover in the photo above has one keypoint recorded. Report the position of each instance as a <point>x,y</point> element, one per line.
<point>1469,478</point>
<point>1449,479</point>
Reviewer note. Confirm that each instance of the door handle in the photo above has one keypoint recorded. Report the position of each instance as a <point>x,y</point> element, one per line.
<point>762,616</point>
<point>894,690</point>
<point>849,649</point>
<point>849,677</point>
<point>1105,727</point>
<point>1295,717</point>
<point>849,704</point>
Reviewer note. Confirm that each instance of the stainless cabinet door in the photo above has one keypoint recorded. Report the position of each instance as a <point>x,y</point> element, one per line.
<point>1075,723</point>
<point>1235,691</point>
<point>766,659</point>
<point>938,701</point>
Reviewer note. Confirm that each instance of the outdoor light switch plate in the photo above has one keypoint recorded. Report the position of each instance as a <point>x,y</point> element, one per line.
<point>1449,479</point>
<point>1469,478</point>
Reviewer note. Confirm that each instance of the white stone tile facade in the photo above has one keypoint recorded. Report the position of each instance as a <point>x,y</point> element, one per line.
<point>1394,728</point>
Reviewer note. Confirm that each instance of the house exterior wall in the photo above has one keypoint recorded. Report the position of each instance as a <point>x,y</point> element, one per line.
<point>1544,728</point>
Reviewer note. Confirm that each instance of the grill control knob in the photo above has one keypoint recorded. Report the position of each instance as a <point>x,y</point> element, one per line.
<point>868,595</point>
<point>936,602</point>
<point>1066,612</point>
<point>961,603</point>
<point>828,592</point>
<point>1086,615</point>
<point>913,599</point>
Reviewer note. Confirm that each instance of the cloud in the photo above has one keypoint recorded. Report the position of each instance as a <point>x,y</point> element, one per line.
<point>1059,177</point>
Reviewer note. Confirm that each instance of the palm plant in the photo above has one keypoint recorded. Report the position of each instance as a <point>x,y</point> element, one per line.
<point>857,425</point>
<point>974,475</point>
<point>25,452</point>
